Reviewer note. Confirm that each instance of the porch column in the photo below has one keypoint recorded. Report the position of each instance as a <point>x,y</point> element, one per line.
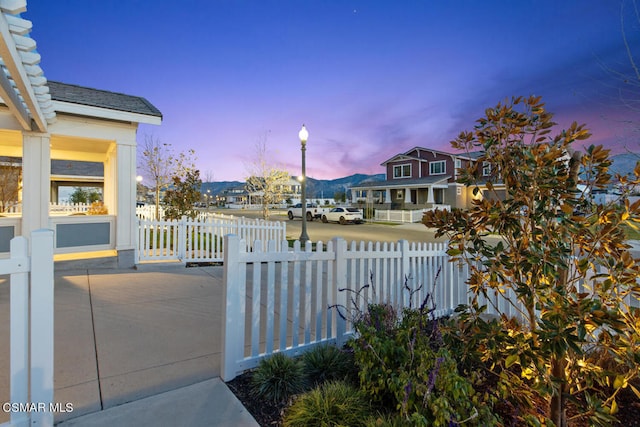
<point>407,195</point>
<point>430,194</point>
<point>369,196</point>
<point>387,195</point>
<point>36,181</point>
<point>110,188</point>
<point>120,196</point>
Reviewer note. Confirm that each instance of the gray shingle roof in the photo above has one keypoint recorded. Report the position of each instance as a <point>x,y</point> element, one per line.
<point>101,98</point>
<point>393,183</point>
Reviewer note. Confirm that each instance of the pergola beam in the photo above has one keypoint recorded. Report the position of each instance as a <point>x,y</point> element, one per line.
<point>24,103</point>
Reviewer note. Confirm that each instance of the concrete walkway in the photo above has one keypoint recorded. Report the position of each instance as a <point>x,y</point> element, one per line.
<point>136,347</point>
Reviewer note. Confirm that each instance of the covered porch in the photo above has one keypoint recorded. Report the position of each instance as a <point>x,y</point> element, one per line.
<point>424,193</point>
<point>41,121</point>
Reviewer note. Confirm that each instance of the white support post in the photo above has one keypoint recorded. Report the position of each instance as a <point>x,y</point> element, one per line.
<point>387,195</point>
<point>42,325</point>
<point>430,195</point>
<point>407,195</point>
<point>233,309</point>
<point>19,335</point>
<point>36,176</point>
<point>125,197</point>
<point>340,282</point>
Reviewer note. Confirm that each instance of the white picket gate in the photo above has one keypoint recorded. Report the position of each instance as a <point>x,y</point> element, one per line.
<point>279,300</point>
<point>31,332</point>
<point>200,239</point>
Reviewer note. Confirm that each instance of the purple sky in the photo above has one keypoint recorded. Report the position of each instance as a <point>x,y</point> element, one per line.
<point>369,78</point>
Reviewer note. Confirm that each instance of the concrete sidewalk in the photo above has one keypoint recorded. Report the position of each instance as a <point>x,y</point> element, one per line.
<point>136,347</point>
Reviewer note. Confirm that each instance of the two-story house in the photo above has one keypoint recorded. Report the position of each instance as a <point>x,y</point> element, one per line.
<point>422,178</point>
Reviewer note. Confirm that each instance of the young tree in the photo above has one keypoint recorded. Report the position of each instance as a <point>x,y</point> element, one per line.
<point>85,195</point>
<point>562,260</point>
<point>10,182</point>
<point>183,195</point>
<point>340,196</point>
<point>158,164</point>
<point>266,180</point>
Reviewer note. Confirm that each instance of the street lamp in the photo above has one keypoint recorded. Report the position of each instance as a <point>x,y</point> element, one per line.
<point>304,135</point>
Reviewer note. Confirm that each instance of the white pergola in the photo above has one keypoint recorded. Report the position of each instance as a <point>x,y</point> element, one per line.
<point>41,121</point>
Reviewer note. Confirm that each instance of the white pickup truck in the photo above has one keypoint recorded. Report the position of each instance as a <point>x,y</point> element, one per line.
<point>313,211</point>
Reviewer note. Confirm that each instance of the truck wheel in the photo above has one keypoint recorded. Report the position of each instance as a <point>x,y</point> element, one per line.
<point>324,219</point>
<point>290,215</point>
<point>342,220</point>
<point>309,216</point>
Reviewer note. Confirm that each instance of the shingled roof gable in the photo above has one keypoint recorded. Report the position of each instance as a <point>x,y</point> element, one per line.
<point>101,98</point>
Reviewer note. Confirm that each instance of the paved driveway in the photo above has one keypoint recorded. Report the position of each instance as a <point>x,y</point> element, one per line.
<point>317,230</point>
<point>121,335</point>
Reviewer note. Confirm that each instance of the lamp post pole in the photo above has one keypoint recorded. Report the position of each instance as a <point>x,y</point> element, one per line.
<point>304,135</point>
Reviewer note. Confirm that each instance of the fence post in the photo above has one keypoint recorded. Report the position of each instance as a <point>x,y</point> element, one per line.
<point>182,238</point>
<point>19,323</point>
<point>137,248</point>
<point>233,309</point>
<point>340,298</point>
<point>405,274</point>
<point>42,324</point>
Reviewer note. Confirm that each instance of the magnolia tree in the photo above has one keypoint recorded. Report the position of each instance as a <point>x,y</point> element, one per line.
<point>562,262</point>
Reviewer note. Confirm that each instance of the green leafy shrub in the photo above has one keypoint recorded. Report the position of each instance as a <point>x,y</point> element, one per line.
<point>402,366</point>
<point>388,420</point>
<point>277,378</point>
<point>334,403</point>
<point>327,362</point>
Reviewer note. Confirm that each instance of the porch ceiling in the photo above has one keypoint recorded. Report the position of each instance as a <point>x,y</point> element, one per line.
<point>85,149</point>
<point>62,147</point>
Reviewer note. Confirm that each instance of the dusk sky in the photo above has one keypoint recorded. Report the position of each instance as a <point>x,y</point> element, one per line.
<point>369,78</point>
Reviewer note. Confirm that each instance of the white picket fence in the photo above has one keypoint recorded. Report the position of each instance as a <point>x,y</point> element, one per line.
<point>54,208</point>
<point>278,300</point>
<point>405,215</point>
<point>200,239</point>
<point>31,333</point>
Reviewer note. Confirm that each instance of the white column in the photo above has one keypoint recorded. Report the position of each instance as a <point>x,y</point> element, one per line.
<point>407,195</point>
<point>36,181</point>
<point>125,196</point>
<point>430,194</point>
<point>387,195</point>
<point>369,196</point>
<point>110,190</point>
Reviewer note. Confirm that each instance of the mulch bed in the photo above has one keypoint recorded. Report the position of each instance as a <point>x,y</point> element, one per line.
<point>265,413</point>
<point>268,414</point>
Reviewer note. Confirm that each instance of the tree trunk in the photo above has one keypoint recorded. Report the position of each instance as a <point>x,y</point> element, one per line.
<point>157,203</point>
<point>558,410</point>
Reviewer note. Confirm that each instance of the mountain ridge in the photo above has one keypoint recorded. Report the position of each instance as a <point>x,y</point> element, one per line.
<point>316,188</point>
<point>623,164</point>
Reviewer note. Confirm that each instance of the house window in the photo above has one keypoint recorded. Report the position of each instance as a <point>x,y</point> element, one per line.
<point>457,165</point>
<point>399,195</point>
<point>486,169</point>
<point>402,171</point>
<point>438,168</point>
